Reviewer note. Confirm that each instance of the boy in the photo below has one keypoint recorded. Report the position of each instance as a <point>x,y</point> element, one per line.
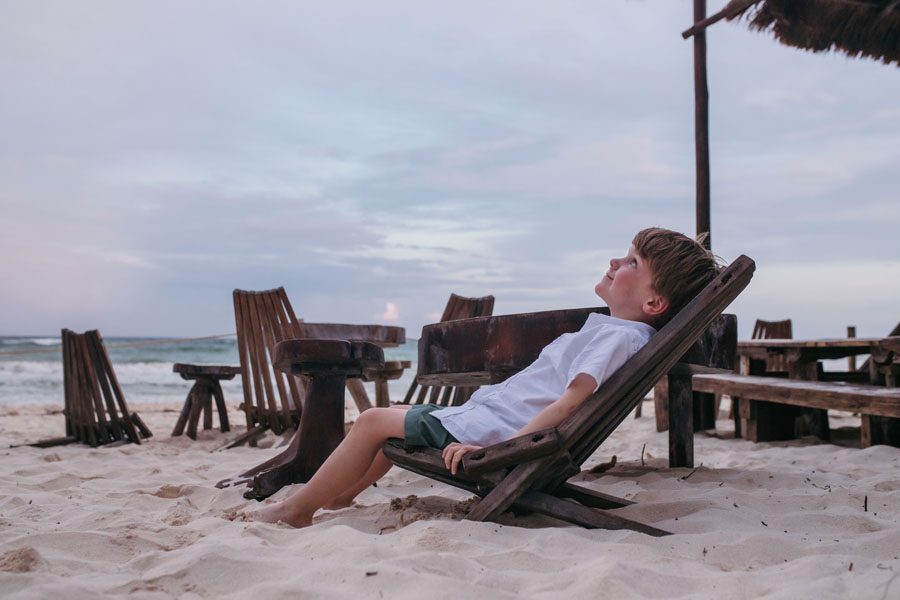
<point>662,271</point>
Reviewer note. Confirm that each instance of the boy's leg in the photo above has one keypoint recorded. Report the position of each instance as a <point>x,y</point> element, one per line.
<point>344,470</point>
<point>379,467</point>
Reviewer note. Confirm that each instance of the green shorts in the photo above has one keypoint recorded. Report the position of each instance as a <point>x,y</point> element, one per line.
<point>422,429</point>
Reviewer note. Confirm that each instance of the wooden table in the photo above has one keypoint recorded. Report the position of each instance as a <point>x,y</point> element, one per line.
<point>384,336</point>
<point>206,387</point>
<point>801,359</point>
<point>331,363</point>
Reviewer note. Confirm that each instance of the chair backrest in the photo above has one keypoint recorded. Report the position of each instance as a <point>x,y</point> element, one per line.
<point>458,307</point>
<point>598,416</point>
<point>95,408</point>
<point>768,330</point>
<point>263,319</point>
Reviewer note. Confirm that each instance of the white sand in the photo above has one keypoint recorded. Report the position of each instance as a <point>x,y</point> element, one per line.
<point>783,520</point>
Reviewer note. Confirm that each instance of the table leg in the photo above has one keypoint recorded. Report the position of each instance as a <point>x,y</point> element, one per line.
<point>681,421</point>
<point>220,405</point>
<point>382,395</point>
<point>183,417</point>
<point>810,421</point>
<point>207,404</point>
<point>321,430</point>
<point>358,392</point>
<point>763,421</point>
<point>881,430</point>
<point>198,399</point>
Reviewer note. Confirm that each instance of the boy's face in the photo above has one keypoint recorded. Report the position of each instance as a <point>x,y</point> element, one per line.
<point>627,289</point>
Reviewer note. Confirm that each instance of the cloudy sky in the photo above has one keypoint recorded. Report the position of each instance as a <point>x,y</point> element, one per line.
<point>372,157</point>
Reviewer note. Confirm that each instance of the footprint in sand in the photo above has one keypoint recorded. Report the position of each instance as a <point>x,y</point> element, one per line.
<point>21,560</point>
<point>171,491</point>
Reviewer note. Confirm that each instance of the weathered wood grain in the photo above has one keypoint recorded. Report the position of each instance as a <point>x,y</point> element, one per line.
<point>870,400</point>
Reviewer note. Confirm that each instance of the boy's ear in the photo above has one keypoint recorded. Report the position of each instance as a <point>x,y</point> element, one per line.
<point>656,306</point>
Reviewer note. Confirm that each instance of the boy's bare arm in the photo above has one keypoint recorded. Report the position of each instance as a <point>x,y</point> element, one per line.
<point>581,387</point>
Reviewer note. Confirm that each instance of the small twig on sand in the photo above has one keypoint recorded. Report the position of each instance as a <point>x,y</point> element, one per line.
<point>692,472</point>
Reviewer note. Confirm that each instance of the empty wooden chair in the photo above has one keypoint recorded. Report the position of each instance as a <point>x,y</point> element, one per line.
<point>458,307</point>
<point>272,399</point>
<point>768,330</point>
<point>95,408</point>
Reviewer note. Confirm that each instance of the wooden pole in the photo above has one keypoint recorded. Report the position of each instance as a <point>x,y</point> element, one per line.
<point>851,360</point>
<point>701,124</point>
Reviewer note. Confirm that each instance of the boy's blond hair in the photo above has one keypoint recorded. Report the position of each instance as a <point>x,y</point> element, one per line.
<point>679,266</point>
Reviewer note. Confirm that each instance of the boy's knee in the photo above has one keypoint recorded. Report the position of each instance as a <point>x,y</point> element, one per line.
<point>370,417</point>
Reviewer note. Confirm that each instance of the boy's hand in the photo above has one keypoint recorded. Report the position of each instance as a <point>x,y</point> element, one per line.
<point>454,452</point>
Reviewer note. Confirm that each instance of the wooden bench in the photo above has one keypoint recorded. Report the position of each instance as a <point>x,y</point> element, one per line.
<point>869,401</point>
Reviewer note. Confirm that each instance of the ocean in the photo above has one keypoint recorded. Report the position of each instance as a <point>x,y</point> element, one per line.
<point>31,368</point>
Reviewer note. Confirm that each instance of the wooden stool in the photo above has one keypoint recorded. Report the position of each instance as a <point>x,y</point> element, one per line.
<point>327,364</point>
<point>392,369</point>
<point>206,386</point>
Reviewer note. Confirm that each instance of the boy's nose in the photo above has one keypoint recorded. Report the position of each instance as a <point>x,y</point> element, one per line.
<point>614,263</point>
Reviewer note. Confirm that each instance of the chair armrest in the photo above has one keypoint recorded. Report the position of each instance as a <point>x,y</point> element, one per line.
<point>513,451</point>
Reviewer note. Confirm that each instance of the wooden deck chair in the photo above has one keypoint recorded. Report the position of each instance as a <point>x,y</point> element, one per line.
<point>763,330</point>
<point>530,472</point>
<point>272,399</point>
<point>458,307</point>
<point>768,330</point>
<point>263,319</point>
<point>95,408</point>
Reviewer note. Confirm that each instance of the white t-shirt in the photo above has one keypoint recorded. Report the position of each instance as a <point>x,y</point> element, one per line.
<point>497,412</point>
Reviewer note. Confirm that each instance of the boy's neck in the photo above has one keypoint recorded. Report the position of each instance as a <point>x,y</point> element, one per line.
<point>645,319</point>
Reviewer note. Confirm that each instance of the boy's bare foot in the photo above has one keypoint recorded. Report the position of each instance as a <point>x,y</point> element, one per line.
<point>279,513</point>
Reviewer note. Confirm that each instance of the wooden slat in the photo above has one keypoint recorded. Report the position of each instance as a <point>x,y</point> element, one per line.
<point>290,329</point>
<point>93,375</point>
<point>590,497</point>
<point>84,398</point>
<point>579,514</point>
<point>450,309</point>
<point>115,427</point>
<point>428,462</point>
<point>74,403</point>
<point>266,400</point>
<point>266,353</point>
<point>870,400</point>
<point>273,333</point>
<point>117,392</point>
<point>69,383</point>
<point>243,357</point>
<point>254,402</point>
<point>510,489</point>
<point>296,332</point>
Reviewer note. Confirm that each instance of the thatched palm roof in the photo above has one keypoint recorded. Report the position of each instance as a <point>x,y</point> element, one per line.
<point>857,27</point>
